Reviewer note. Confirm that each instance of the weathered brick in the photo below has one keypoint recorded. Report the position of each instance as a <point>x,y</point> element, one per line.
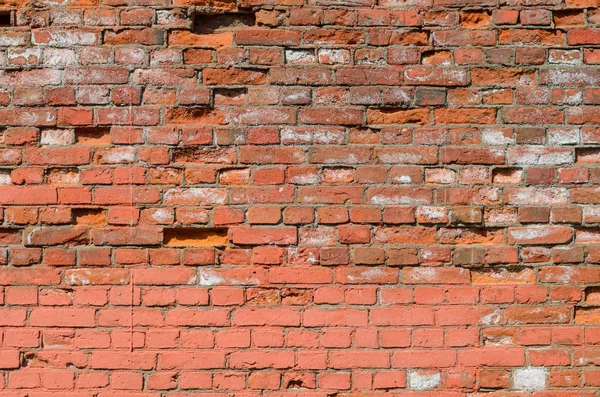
<point>233,196</point>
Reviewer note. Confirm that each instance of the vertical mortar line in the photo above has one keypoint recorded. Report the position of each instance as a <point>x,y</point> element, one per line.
<point>132,289</point>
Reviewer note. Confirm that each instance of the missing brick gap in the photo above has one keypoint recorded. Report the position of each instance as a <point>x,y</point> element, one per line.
<point>231,92</point>
<point>10,236</point>
<point>88,216</point>
<point>6,18</point>
<point>566,15</point>
<point>587,315</point>
<point>211,23</point>
<point>93,136</point>
<point>592,296</point>
<point>63,176</point>
<point>195,237</point>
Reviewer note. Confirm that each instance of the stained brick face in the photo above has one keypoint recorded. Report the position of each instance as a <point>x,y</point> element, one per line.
<point>320,198</point>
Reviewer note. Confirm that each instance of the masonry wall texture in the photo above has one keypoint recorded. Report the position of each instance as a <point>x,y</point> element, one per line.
<point>320,198</point>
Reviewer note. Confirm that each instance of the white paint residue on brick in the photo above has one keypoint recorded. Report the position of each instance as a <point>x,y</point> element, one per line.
<point>333,56</point>
<point>432,213</point>
<point>424,274</point>
<point>192,280</point>
<point>530,233</point>
<point>366,275</point>
<point>493,318</point>
<point>311,258</point>
<point>197,195</point>
<point>329,137</point>
<point>306,179</point>
<point>119,156</point>
<point>79,278</point>
<point>300,56</point>
<point>400,158</point>
<point>540,197</point>
<point>529,379</point>
<point>563,136</point>
<point>496,137</point>
<point>161,215</point>
<point>5,178</point>
<point>570,77</point>
<point>556,158</point>
<point>566,277</point>
<point>296,135</point>
<point>29,55</point>
<point>31,233</point>
<point>390,200</point>
<point>424,380</point>
<point>402,179</point>
<point>210,278</point>
<point>427,254</point>
<point>59,57</point>
<point>440,175</point>
<point>57,137</point>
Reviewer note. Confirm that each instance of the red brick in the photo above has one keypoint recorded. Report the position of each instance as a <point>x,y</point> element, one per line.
<point>9,359</point>
<point>403,195</point>
<point>258,235</point>
<point>137,36</point>
<point>47,317</point>
<point>539,235</point>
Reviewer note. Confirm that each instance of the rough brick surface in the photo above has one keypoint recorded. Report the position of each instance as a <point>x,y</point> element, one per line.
<point>320,198</point>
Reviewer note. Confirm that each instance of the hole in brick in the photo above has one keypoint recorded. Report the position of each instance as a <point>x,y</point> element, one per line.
<point>566,17</point>
<point>587,315</point>
<point>264,296</point>
<point>587,155</point>
<point>474,18</point>
<point>63,176</point>
<point>6,18</point>
<point>5,177</point>
<point>89,216</point>
<point>592,295</point>
<point>10,236</point>
<point>296,296</point>
<point>27,359</point>
<point>210,23</point>
<point>230,96</point>
<point>92,136</point>
<point>35,360</point>
<point>195,237</point>
<point>294,384</point>
<point>201,155</point>
<point>338,174</point>
<point>194,115</point>
<point>507,175</point>
<point>435,57</point>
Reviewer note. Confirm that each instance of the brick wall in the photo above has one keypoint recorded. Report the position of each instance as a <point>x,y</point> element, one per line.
<point>317,198</point>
